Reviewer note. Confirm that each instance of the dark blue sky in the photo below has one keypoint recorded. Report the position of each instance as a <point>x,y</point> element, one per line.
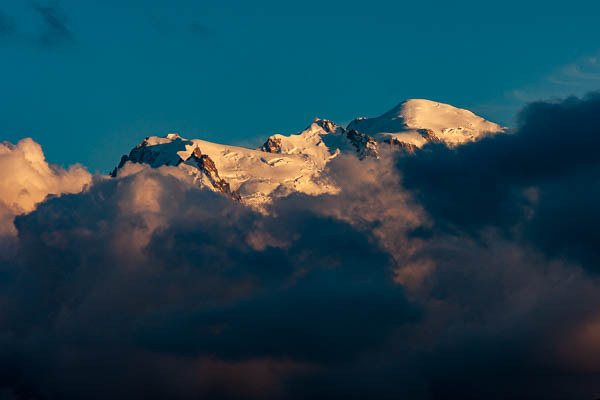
<point>90,79</point>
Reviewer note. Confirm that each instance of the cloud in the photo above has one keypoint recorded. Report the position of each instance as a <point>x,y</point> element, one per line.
<point>171,255</point>
<point>26,179</point>
<point>576,78</point>
<point>462,273</point>
<point>50,28</point>
<point>582,73</point>
<point>538,184</point>
<point>56,30</point>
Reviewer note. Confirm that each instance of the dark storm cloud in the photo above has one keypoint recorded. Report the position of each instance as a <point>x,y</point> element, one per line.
<point>540,182</point>
<point>55,25</point>
<point>205,287</point>
<point>145,286</point>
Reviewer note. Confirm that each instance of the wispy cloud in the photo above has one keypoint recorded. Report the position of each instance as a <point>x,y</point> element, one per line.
<point>56,30</point>
<point>572,79</point>
<point>583,73</point>
<point>49,28</point>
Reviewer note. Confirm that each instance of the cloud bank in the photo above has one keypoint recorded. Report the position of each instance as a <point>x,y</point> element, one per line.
<point>538,185</point>
<point>462,273</point>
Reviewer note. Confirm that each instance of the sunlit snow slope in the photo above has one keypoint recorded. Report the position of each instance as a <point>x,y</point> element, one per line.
<point>413,120</point>
<point>294,163</point>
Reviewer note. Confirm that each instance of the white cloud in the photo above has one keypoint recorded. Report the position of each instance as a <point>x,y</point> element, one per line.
<point>26,179</point>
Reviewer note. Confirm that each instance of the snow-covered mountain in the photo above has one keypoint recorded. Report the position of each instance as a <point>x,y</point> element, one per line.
<point>419,121</point>
<point>252,176</point>
<point>294,163</point>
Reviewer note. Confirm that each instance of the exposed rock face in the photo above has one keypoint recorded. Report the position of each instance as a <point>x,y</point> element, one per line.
<point>272,145</point>
<point>430,135</point>
<point>365,145</point>
<point>328,126</point>
<point>124,159</point>
<point>355,122</point>
<point>408,147</point>
<point>411,148</point>
<point>207,166</point>
<point>155,154</point>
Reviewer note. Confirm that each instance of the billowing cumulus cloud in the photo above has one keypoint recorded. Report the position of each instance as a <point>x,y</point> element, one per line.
<point>463,273</point>
<point>170,274</point>
<point>26,179</point>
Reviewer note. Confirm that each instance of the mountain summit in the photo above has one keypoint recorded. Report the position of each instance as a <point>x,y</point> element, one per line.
<point>294,163</point>
<point>417,121</point>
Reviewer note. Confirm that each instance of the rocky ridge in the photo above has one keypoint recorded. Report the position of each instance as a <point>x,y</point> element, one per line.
<point>294,163</point>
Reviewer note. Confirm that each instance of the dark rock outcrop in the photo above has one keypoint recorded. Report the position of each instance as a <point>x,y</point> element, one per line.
<point>207,166</point>
<point>272,145</point>
<point>365,145</point>
<point>429,135</point>
<point>408,147</point>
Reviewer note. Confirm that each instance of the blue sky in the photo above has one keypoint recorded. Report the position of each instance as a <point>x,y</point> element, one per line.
<point>90,79</point>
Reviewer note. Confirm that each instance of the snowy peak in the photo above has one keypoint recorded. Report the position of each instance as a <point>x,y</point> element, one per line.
<point>326,125</point>
<point>252,176</point>
<point>295,163</point>
<point>319,142</point>
<point>155,151</point>
<point>419,121</point>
